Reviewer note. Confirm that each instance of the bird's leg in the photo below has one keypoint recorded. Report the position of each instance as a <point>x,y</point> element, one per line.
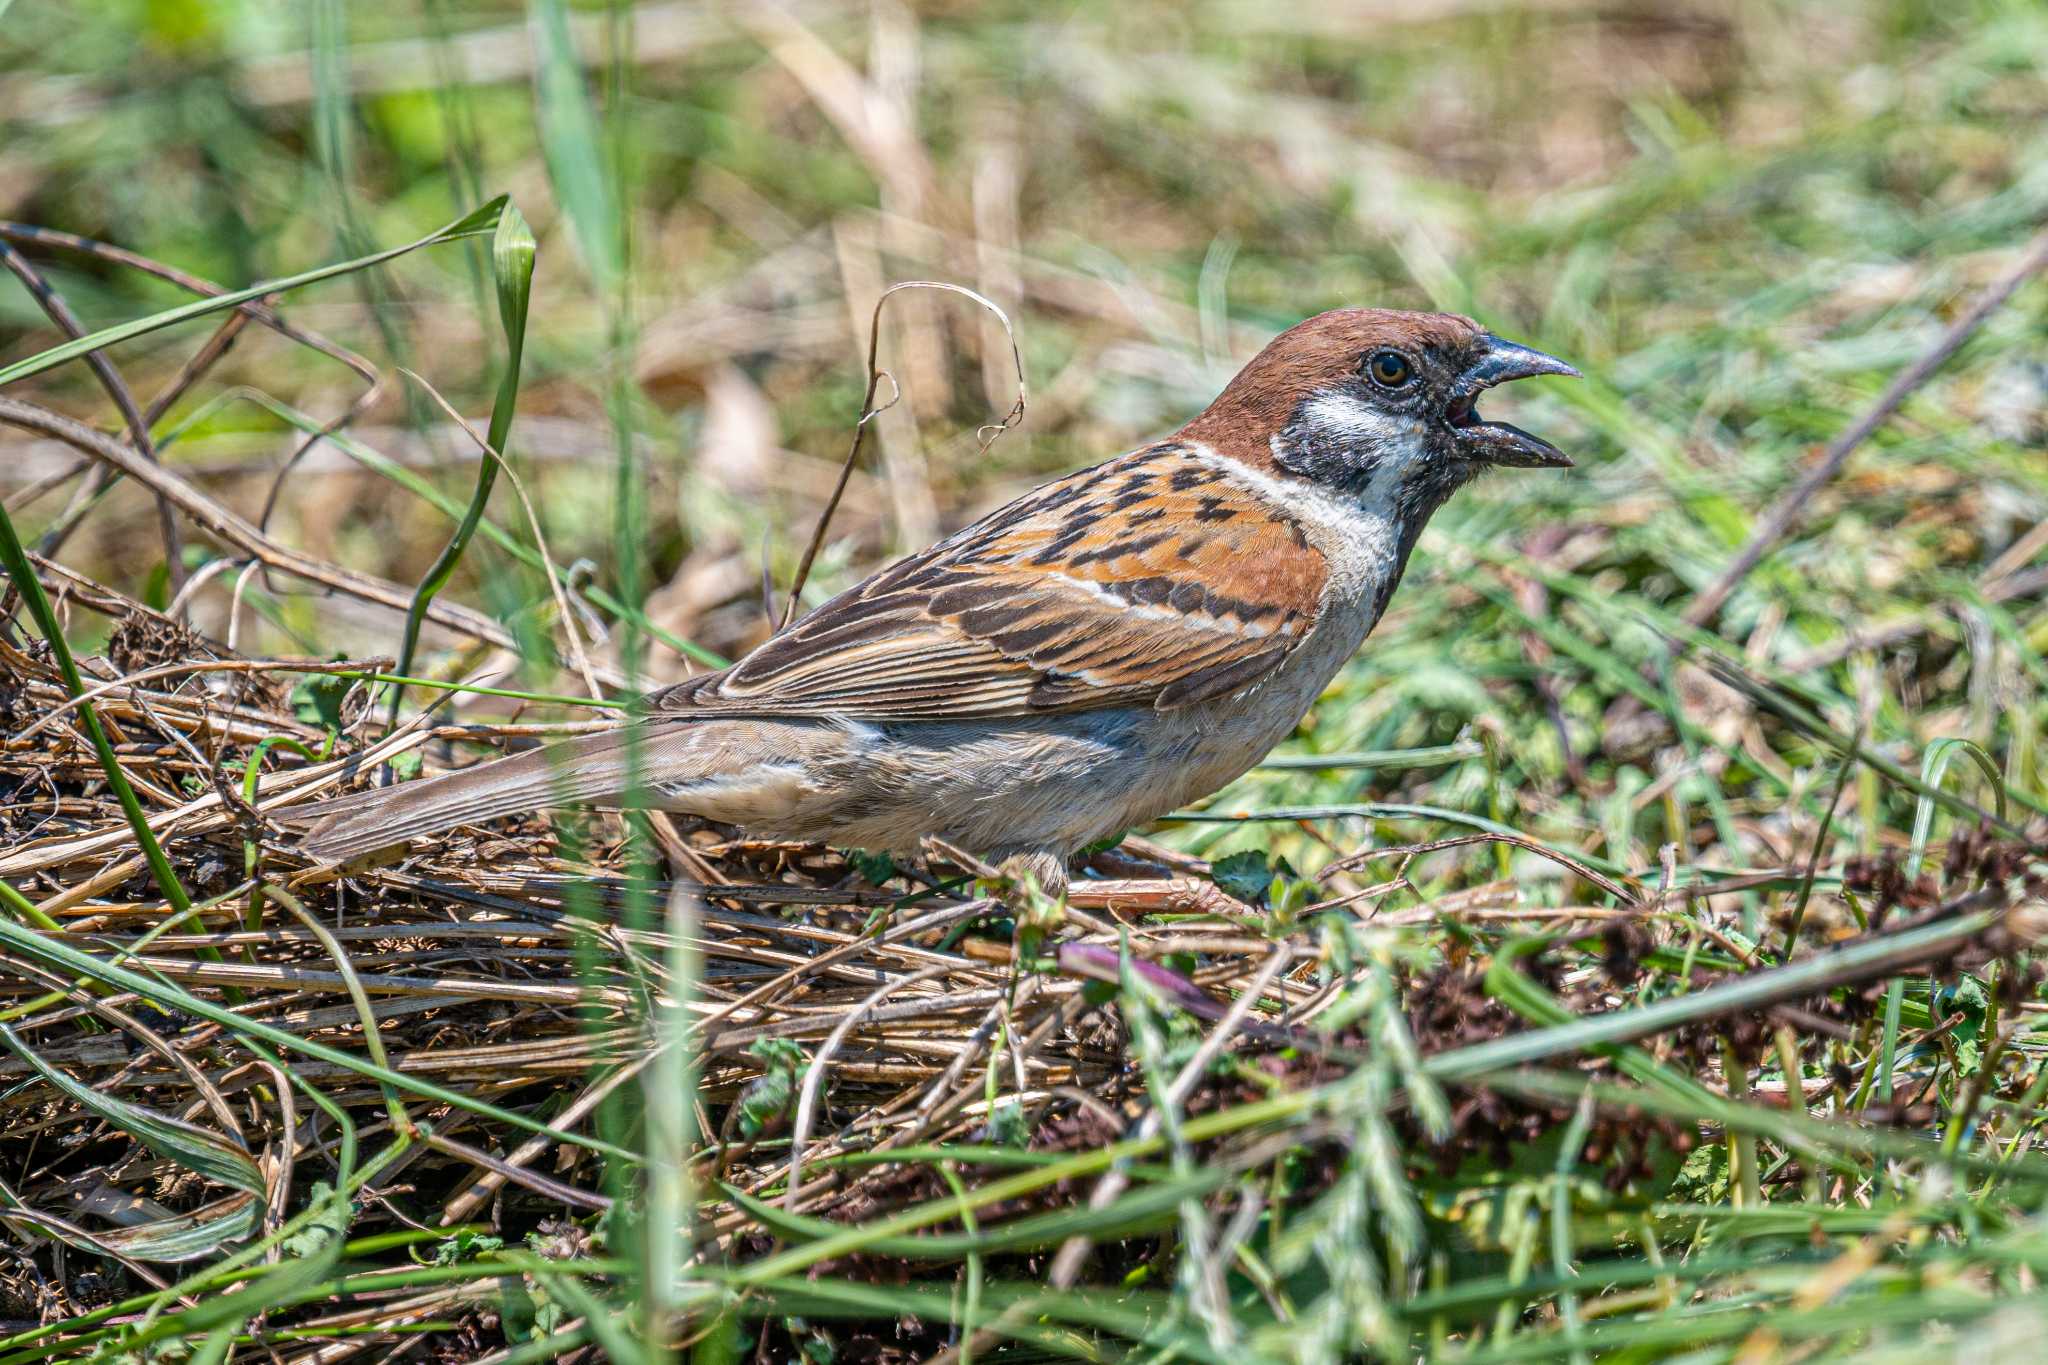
<point>1038,869</point>
<point>1032,883</point>
<point>1017,871</point>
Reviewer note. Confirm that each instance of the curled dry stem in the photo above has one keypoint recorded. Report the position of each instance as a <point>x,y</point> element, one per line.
<point>985,436</point>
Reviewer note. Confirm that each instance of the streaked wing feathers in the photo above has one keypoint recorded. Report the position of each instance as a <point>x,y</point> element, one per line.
<point>1150,580</point>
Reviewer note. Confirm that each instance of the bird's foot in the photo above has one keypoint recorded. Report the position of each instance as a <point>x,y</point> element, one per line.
<point>1037,872</point>
<point>1012,875</point>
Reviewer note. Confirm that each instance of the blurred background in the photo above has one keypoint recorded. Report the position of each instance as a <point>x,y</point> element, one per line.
<point>1738,217</point>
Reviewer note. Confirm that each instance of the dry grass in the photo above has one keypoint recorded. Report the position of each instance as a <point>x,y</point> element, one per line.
<point>901,1048</point>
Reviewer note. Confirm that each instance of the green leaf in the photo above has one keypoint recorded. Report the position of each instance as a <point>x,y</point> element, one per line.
<point>1968,997</point>
<point>1703,1179</point>
<point>1932,768</point>
<point>570,145</point>
<point>210,1154</point>
<point>466,1245</point>
<point>1007,1126</point>
<point>317,699</point>
<point>525,1311</point>
<point>195,1236</point>
<point>875,868</point>
<point>766,1099</point>
<point>1244,875</point>
<point>321,1235</point>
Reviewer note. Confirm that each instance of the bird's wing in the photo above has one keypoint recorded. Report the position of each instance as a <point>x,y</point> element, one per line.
<point>1151,580</point>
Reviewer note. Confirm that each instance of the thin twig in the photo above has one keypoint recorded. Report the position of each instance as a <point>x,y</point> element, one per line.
<point>1581,870</point>
<point>130,680</point>
<point>986,436</point>
<point>814,1074</point>
<point>242,535</point>
<point>1786,511</point>
<point>1073,1253</point>
<point>53,305</point>
<point>221,339</point>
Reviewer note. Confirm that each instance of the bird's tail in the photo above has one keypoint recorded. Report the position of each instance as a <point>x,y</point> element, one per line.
<point>587,768</point>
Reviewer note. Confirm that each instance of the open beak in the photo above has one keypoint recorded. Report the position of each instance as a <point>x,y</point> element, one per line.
<point>1496,442</point>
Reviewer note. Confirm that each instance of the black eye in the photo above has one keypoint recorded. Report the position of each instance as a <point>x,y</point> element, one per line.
<point>1389,369</point>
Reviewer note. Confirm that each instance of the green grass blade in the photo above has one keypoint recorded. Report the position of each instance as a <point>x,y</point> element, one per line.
<point>1933,767</point>
<point>453,510</point>
<point>512,256</point>
<point>185,1237</point>
<point>45,949</point>
<point>574,151</point>
<point>474,224</point>
<point>14,559</point>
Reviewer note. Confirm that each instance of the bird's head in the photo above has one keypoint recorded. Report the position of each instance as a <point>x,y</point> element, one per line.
<point>1369,401</point>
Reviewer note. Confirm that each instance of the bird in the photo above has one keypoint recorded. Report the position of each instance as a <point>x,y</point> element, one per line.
<point>1102,650</point>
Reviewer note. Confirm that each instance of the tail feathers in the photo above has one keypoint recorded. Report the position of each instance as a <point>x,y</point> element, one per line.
<point>587,768</point>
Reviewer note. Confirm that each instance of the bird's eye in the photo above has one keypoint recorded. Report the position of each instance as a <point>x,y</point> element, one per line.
<point>1389,369</point>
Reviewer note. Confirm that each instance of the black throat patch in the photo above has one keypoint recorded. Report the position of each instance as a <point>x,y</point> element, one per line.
<point>1339,460</point>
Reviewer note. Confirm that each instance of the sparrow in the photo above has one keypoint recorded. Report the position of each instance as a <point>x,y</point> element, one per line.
<point>1104,649</point>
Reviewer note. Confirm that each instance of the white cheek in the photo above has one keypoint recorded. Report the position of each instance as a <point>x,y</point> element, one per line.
<point>1345,417</point>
